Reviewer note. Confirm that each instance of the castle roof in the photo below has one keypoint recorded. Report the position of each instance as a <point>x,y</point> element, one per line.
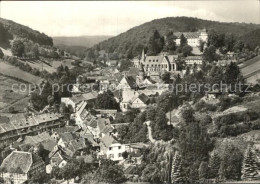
<point>187,35</point>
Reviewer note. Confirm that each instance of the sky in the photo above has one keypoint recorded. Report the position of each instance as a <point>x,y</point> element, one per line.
<point>78,18</point>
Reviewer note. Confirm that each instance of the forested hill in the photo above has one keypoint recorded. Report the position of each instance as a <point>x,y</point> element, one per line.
<point>10,29</point>
<point>138,36</point>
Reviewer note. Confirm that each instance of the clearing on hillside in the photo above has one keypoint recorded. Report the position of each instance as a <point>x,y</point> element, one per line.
<point>15,72</point>
<point>10,94</point>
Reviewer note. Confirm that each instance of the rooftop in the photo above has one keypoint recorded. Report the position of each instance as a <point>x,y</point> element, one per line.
<point>19,162</point>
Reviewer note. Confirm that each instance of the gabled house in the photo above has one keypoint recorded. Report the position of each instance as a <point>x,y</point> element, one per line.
<point>110,148</point>
<point>133,99</point>
<point>77,99</point>
<point>57,160</point>
<point>127,82</point>
<point>19,167</point>
<point>140,102</point>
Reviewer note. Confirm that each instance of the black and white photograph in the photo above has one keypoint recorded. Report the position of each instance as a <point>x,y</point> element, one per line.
<point>130,92</point>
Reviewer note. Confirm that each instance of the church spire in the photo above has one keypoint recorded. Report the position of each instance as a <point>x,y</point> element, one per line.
<point>143,56</point>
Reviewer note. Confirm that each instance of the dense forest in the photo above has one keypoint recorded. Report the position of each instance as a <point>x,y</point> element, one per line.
<point>252,38</point>
<point>138,37</point>
<point>10,29</point>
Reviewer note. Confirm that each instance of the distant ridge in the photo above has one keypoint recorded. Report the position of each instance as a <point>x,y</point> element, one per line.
<point>84,41</point>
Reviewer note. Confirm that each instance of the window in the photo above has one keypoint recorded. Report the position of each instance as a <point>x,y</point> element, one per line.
<point>119,147</point>
<point>153,60</point>
<point>110,148</point>
<point>119,154</point>
<point>149,60</point>
<point>111,156</point>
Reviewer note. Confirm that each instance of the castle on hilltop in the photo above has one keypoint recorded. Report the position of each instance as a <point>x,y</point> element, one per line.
<point>193,38</point>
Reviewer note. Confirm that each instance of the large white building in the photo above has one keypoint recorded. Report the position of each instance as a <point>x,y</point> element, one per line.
<point>193,38</point>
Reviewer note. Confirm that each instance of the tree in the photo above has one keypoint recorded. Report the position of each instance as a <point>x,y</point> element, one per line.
<point>11,110</point>
<point>230,167</point>
<point>106,100</point>
<point>229,42</point>
<point>214,165</point>
<point>232,73</point>
<point>50,100</point>
<point>155,44</point>
<point>38,178</point>
<point>1,53</point>
<point>166,77</point>
<point>63,108</point>
<point>177,174</point>
<point>167,101</point>
<point>110,172</point>
<point>183,41</point>
<point>201,46</point>
<point>125,154</point>
<point>213,38</point>
<point>186,50</point>
<point>215,75</point>
<point>91,55</point>
<point>209,54</point>
<point>170,44</point>
<point>249,168</point>
<point>17,48</point>
<point>125,65</point>
<point>239,45</point>
<point>160,129</point>
<point>194,143</point>
<point>35,51</point>
<point>203,170</point>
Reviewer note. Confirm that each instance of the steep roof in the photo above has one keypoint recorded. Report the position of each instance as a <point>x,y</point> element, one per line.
<point>66,136</point>
<point>143,98</point>
<point>90,96</point>
<point>66,129</point>
<point>92,123</point>
<point>171,58</point>
<point>194,58</point>
<point>133,71</point>
<point>76,145</point>
<point>117,94</point>
<point>20,121</point>
<point>131,81</point>
<point>187,35</point>
<point>108,140</point>
<point>37,138</point>
<point>19,162</point>
<point>77,98</point>
<point>107,129</point>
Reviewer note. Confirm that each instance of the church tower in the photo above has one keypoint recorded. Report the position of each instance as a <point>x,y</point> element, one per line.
<point>141,72</point>
<point>143,56</point>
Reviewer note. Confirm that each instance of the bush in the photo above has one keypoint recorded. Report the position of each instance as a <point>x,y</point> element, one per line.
<point>255,125</point>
